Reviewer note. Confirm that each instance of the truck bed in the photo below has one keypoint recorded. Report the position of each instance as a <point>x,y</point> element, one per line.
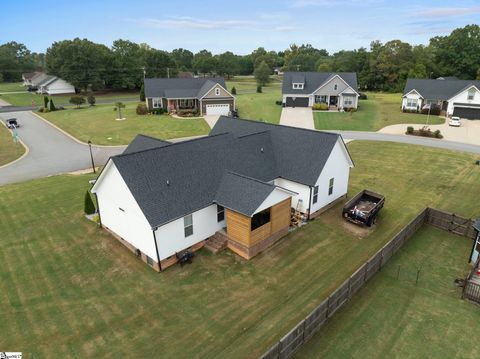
<point>364,207</point>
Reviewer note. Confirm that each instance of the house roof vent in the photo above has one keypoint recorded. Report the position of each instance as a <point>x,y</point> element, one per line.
<point>261,149</point>
<point>168,182</point>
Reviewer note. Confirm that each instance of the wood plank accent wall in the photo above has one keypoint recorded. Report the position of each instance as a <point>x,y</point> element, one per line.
<point>260,233</point>
<point>280,215</point>
<point>238,227</point>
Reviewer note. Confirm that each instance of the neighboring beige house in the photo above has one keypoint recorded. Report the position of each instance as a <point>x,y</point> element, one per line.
<point>207,95</point>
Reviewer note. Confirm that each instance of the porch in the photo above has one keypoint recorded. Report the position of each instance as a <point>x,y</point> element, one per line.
<point>182,104</point>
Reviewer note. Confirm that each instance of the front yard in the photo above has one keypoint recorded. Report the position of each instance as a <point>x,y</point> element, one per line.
<point>380,110</point>
<point>9,151</point>
<point>396,318</point>
<point>98,124</point>
<point>69,290</point>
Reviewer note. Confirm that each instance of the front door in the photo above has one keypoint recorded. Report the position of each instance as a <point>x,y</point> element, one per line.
<point>333,100</point>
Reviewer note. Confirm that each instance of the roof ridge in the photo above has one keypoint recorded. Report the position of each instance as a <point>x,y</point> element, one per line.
<point>153,138</point>
<point>249,178</point>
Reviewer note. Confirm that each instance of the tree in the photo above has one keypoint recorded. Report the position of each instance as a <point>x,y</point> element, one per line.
<point>183,58</point>
<point>89,206</point>
<point>118,107</point>
<point>203,62</point>
<point>45,101</point>
<point>91,100</point>
<point>15,58</point>
<point>52,106</point>
<point>159,64</point>
<point>478,74</point>
<point>262,74</point>
<point>227,64</point>
<point>126,65</point>
<point>77,100</point>
<point>234,91</point>
<point>142,93</point>
<point>303,58</point>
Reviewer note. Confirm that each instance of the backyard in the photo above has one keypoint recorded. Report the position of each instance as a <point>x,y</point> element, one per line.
<point>98,124</point>
<point>378,111</point>
<point>9,150</point>
<point>396,318</point>
<point>69,290</point>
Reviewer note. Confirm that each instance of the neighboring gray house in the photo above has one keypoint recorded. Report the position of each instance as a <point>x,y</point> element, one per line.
<point>336,89</point>
<point>208,95</point>
<point>455,97</point>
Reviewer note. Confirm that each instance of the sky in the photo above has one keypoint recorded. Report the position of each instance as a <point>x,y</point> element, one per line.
<point>238,26</point>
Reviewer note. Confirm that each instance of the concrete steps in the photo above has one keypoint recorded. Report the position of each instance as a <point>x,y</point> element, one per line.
<point>217,242</point>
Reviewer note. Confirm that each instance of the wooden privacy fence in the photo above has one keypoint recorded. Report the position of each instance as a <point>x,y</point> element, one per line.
<point>303,331</point>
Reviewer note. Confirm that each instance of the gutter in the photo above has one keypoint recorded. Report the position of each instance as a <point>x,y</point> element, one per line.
<point>309,204</point>
<point>98,210</point>
<point>156,249</point>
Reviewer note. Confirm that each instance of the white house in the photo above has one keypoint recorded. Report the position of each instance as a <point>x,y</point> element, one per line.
<point>453,97</point>
<point>47,84</point>
<point>239,183</point>
<point>304,89</point>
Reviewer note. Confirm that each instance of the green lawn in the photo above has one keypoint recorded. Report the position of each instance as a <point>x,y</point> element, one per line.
<point>9,151</point>
<point>98,124</point>
<point>380,110</point>
<point>69,290</point>
<point>392,318</point>
<point>11,86</point>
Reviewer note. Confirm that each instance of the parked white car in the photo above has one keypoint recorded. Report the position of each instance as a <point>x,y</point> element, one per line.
<point>454,121</point>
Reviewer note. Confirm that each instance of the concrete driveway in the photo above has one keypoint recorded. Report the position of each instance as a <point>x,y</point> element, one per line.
<point>297,117</point>
<point>468,132</point>
<point>51,152</point>
<point>211,120</point>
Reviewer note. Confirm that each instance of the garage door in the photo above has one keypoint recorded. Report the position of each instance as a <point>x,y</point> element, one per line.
<point>220,109</point>
<point>297,102</point>
<point>465,112</point>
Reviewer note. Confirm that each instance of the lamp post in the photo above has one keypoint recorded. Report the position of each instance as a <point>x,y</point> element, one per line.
<point>91,155</point>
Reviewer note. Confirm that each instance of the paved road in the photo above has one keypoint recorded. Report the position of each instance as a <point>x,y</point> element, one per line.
<point>51,151</point>
<point>10,108</point>
<point>413,140</point>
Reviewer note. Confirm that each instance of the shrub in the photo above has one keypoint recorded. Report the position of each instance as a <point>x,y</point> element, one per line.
<point>409,130</point>
<point>188,113</point>
<point>363,96</point>
<point>45,101</point>
<point>259,89</point>
<point>349,109</point>
<point>91,100</point>
<point>89,207</point>
<point>234,90</point>
<point>41,109</point>
<point>141,109</point>
<point>280,103</point>
<point>435,110</point>
<point>142,93</point>
<point>158,111</point>
<point>77,100</point>
<point>320,106</point>
<point>437,134</point>
<point>52,105</point>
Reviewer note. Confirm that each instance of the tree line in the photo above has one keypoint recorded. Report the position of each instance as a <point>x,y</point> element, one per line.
<point>383,66</point>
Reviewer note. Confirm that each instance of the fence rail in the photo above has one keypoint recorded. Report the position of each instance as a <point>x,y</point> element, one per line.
<point>303,331</point>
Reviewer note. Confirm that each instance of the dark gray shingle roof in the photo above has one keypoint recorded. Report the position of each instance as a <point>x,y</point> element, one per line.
<point>241,193</point>
<point>313,80</point>
<point>142,142</point>
<point>180,87</point>
<point>176,179</point>
<point>476,224</point>
<point>438,89</point>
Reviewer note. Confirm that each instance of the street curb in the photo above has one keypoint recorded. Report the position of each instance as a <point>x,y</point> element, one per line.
<point>74,138</point>
<point>27,150</point>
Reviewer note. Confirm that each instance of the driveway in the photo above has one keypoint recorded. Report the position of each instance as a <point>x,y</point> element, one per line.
<point>50,151</point>
<point>468,132</point>
<point>297,117</point>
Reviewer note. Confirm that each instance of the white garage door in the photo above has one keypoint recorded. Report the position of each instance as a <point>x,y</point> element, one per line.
<point>222,109</point>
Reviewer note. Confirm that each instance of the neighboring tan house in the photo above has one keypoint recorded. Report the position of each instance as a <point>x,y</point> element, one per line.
<point>238,185</point>
<point>304,89</point>
<point>207,95</point>
<point>47,84</point>
<point>454,97</point>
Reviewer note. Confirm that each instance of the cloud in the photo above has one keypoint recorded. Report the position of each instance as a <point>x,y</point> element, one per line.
<point>185,22</point>
<point>285,28</point>
<point>329,3</point>
<point>443,12</point>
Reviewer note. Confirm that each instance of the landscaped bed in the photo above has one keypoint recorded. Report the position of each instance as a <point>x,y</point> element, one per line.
<point>98,124</point>
<point>9,150</point>
<point>70,290</point>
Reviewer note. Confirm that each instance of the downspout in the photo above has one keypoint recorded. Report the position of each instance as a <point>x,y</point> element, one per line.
<point>98,210</point>
<point>156,249</point>
<point>473,247</point>
<point>310,204</point>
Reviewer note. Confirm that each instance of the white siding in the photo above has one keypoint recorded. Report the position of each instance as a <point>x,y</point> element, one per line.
<point>337,167</point>
<point>130,224</point>
<point>273,198</point>
<point>414,96</point>
<point>462,97</point>
<point>329,87</point>
<point>60,86</point>
<point>354,98</point>
<point>302,190</point>
<point>171,236</point>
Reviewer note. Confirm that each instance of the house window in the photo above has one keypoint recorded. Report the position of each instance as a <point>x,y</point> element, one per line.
<point>348,101</point>
<point>471,94</point>
<point>186,103</point>
<point>315,194</point>
<point>330,186</point>
<point>335,87</point>
<point>320,99</point>
<point>220,213</point>
<point>260,219</point>
<point>297,86</point>
<point>412,102</point>
<point>150,261</point>
<point>188,225</point>
<point>217,92</point>
<point>156,102</point>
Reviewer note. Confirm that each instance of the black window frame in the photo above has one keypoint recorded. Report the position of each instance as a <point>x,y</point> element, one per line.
<point>188,229</point>
<point>220,213</point>
<point>315,195</point>
<point>331,184</point>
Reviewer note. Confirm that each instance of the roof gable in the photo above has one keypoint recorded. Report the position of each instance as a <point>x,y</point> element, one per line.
<point>436,89</point>
<point>143,142</point>
<point>314,80</point>
<point>180,87</point>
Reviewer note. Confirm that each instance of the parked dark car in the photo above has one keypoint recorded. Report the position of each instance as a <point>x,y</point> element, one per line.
<point>12,123</point>
<point>363,208</point>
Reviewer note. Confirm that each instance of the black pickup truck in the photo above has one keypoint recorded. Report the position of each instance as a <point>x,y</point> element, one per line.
<point>363,208</point>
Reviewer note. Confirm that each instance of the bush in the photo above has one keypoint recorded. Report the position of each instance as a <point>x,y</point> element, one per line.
<point>52,105</point>
<point>45,101</point>
<point>437,134</point>
<point>158,111</point>
<point>77,100</point>
<point>141,109</point>
<point>91,100</point>
<point>280,103</point>
<point>89,207</point>
<point>363,96</point>
<point>409,130</point>
<point>187,113</point>
<point>320,106</point>
<point>434,111</point>
<point>349,109</point>
<point>259,89</point>
<point>234,90</point>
